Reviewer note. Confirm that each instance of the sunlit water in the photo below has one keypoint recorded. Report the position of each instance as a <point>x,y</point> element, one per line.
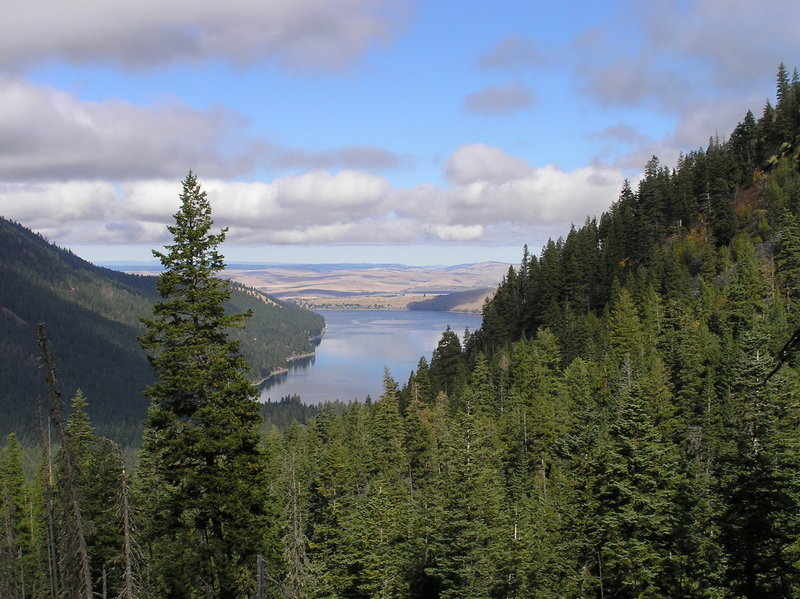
<point>358,344</point>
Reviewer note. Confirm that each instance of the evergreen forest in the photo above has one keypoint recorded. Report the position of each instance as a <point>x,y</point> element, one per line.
<point>92,316</point>
<point>625,423</point>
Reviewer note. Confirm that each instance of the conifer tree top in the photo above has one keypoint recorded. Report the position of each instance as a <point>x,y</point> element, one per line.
<point>193,255</point>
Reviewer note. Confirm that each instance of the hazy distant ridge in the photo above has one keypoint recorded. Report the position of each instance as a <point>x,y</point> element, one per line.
<point>374,286</point>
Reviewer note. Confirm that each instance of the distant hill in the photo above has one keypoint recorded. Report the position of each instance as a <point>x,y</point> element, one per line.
<point>370,286</point>
<point>92,319</point>
<point>461,301</point>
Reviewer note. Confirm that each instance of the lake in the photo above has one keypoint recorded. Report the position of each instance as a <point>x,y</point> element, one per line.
<point>349,361</point>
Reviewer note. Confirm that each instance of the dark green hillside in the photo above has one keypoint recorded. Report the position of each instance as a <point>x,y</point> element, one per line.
<point>682,231</point>
<point>275,331</point>
<point>92,317</point>
<point>449,301</point>
<point>612,430</point>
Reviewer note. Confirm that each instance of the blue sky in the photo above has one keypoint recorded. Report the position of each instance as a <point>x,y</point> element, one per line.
<point>431,132</point>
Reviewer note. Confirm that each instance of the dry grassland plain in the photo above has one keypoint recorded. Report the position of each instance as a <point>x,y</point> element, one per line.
<point>375,287</point>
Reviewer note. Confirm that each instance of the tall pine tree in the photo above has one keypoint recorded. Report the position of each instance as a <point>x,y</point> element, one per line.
<point>201,440</point>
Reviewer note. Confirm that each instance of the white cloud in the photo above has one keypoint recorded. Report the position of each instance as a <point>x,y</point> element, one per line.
<point>287,204</point>
<point>729,36</point>
<point>363,231</point>
<point>548,196</point>
<point>148,200</point>
<point>328,34</point>
<point>704,120</point>
<point>457,232</point>
<point>345,191</point>
<point>620,132</point>
<point>492,188</point>
<point>692,131</point>
<point>320,207</point>
<point>40,205</point>
<point>479,162</point>
<point>49,134</point>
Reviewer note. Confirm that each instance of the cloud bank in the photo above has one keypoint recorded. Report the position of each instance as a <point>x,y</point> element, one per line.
<point>109,171</point>
<point>305,34</point>
<point>494,197</point>
<point>50,134</point>
<point>46,134</point>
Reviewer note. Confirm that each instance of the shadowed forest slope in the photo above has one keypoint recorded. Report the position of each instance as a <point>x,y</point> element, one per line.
<point>92,317</point>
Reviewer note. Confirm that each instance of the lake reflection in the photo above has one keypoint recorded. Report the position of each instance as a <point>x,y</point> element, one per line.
<point>358,344</point>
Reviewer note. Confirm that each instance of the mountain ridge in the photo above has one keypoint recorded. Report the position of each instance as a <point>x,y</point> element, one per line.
<point>91,314</point>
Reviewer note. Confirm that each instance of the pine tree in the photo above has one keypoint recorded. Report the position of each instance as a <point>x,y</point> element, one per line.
<point>294,538</point>
<point>328,550</point>
<point>202,431</point>
<point>625,333</point>
<point>448,367</point>
<point>536,384</point>
<point>482,385</point>
<point>99,469</point>
<point>788,258</point>
<point>758,479</point>
<point>385,436</point>
<point>634,487</point>
<point>474,538</point>
<point>15,537</point>
<point>746,294</point>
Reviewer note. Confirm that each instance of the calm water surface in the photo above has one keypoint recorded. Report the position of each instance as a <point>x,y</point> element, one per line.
<point>358,344</point>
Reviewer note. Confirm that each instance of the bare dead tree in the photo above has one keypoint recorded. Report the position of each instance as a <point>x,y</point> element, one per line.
<point>47,483</point>
<point>76,551</point>
<point>294,540</point>
<point>127,543</point>
<point>131,552</point>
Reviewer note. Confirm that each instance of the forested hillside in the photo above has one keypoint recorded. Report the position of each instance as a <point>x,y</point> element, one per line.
<point>625,424</point>
<point>611,431</point>
<point>92,316</point>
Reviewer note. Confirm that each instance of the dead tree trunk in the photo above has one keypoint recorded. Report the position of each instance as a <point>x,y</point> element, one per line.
<point>127,543</point>
<point>47,483</point>
<point>76,541</point>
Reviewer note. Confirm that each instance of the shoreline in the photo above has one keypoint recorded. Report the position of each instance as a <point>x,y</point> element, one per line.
<point>289,360</point>
<point>382,309</point>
